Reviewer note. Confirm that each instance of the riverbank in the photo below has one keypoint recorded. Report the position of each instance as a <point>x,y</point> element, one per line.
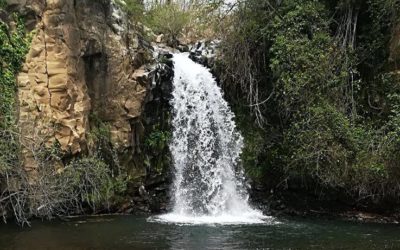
<point>291,203</point>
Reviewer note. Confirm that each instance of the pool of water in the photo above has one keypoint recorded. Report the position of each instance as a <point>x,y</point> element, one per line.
<point>136,232</point>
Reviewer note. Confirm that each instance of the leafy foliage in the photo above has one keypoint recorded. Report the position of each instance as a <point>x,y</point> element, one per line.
<point>134,9</point>
<point>326,102</point>
<point>14,45</point>
<point>158,140</point>
<point>187,21</point>
<point>89,179</point>
<point>168,19</point>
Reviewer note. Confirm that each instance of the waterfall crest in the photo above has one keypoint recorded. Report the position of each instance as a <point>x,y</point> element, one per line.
<point>209,186</point>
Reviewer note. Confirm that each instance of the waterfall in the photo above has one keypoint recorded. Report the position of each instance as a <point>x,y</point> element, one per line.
<point>209,184</point>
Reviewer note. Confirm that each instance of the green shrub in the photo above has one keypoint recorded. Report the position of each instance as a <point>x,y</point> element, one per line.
<point>169,20</point>
<point>3,4</point>
<point>89,179</point>
<point>158,140</point>
<point>134,9</point>
<point>14,44</point>
<point>327,112</point>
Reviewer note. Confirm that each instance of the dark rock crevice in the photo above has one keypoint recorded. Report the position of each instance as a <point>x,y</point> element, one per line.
<point>156,121</point>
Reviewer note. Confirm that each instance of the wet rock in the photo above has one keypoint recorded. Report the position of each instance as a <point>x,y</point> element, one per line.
<point>143,193</point>
<point>204,52</point>
<point>183,48</point>
<point>160,38</point>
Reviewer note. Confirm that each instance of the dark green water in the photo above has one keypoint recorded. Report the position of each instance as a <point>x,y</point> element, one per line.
<point>132,232</point>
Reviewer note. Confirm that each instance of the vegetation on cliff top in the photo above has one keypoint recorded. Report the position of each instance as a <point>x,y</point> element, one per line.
<point>185,21</point>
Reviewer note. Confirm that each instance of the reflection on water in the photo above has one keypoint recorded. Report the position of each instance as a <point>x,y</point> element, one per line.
<point>132,232</point>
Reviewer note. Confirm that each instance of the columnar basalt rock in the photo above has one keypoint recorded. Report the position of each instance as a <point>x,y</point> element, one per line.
<point>85,57</point>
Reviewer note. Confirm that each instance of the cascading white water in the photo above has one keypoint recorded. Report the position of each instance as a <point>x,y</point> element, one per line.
<point>206,147</point>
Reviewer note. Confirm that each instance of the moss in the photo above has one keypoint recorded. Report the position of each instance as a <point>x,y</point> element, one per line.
<point>14,44</point>
<point>3,4</point>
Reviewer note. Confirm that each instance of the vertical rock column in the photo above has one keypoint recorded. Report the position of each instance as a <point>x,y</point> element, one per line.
<point>85,57</point>
<point>53,98</point>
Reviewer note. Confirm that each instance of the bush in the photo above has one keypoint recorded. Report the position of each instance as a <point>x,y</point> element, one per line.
<point>84,185</point>
<point>158,140</point>
<point>169,20</point>
<point>89,180</point>
<point>134,9</point>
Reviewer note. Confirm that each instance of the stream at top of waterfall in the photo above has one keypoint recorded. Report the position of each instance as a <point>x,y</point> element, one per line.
<point>139,232</point>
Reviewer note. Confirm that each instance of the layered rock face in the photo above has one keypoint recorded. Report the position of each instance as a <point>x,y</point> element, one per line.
<point>85,58</point>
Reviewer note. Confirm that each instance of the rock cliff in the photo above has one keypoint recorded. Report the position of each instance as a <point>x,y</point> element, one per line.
<point>86,59</point>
